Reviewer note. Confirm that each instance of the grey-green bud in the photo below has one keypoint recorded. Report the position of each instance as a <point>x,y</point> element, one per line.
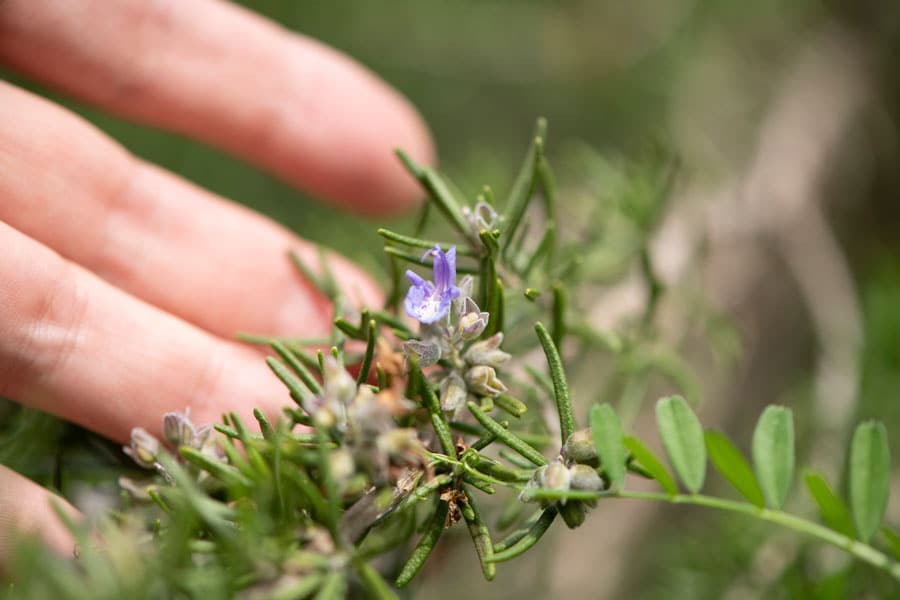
<point>482,216</point>
<point>179,431</point>
<point>466,286</point>
<point>583,477</point>
<point>342,465</point>
<point>172,425</point>
<point>483,380</point>
<point>339,385</point>
<point>144,448</point>
<point>580,448</point>
<point>401,445</point>
<point>427,353</point>
<point>487,352</point>
<point>555,477</point>
<point>472,321</point>
<point>453,392</point>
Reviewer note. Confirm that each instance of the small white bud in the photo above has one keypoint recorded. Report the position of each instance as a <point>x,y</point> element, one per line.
<point>487,352</point>
<point>453,392</point>
<point>342,465</point>
<point>555,477</point>
<point>144,448</point>
<point>583,477</point>
<point>339,385</point>
<point>483,380</point>
<point>472,321</point>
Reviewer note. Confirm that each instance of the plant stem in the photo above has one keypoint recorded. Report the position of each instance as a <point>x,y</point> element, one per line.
<point>860,550</point>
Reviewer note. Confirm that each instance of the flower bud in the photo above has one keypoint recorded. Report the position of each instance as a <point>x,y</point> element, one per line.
<point>172,428</point>
<point>201,436</point>
<point>472,321</point>
<point>426,352</point>
<point>144,448</point>
<point>453,392</point>
<point>466,286</point>
<point>487,352</point>
<point>342,465</point>
<point>482,216</point>
<point>326,417</point>
<point>339,385</point>
<point>580,448</point>
<point>179,431</point>
<point>401,445</point>
<point>483,380</point>
<point>211,442</point>
<point>583,477</point>
<point>369,415</point>
<point>555,477</point>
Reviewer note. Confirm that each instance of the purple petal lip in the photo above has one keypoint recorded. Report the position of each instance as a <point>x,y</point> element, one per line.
<point>428,302</point>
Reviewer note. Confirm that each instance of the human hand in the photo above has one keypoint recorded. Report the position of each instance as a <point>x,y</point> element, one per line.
<point>122,284</point>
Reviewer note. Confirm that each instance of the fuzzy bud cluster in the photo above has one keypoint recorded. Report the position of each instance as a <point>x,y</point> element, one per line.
<point>178,430</point>
<point>483,359</point>
<point>366,420</point>
<point>560,477</point>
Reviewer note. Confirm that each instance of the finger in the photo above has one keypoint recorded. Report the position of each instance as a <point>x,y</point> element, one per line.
<point>217,72</point>
<point>206,260</point>
<point>27,509</point>
<point>75,346</point>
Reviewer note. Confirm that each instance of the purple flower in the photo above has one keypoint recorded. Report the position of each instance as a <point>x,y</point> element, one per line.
<point>429,302</point>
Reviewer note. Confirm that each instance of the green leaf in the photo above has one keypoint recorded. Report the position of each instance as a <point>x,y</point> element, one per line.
<point>560,386</point>
<point>373,582</point>
<point>333,588</point>
<point>225,473</point>
<point>481,536</point>
<point>558,324</point>
<point>773,454</point>
<point>537,529</point>
<point>833,510</point>
<point>610,442</point>
<point>523,187</point>
<point>729,461</point>
<point>870,470</point>
<point>893,539</point>
<point>366,366</point>
<point>682,437</point>
<point>512,405</point>
<point>438,191</point>
<point>423,549</point>
<point>651,464</point>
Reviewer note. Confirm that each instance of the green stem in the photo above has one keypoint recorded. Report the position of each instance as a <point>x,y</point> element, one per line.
<point>654,285</point>
<point>860,550</point>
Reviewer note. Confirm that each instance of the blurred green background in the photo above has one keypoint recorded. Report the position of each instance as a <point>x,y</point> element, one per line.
<point>612,76</point>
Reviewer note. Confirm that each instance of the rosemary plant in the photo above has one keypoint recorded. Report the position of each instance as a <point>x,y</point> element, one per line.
<point>415,412</point>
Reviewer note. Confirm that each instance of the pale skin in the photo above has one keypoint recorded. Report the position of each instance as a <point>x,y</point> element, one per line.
<point>121,284</point>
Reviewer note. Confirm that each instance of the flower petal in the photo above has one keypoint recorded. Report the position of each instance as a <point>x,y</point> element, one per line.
<point>416,280</point>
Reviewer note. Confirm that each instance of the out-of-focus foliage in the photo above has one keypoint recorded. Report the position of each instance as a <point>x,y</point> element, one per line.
<point>611,77</point>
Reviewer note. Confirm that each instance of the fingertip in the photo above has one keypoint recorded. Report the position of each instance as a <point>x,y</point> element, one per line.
<point>403,191</point>
<point>369,179</point>
<point>302,314</point>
